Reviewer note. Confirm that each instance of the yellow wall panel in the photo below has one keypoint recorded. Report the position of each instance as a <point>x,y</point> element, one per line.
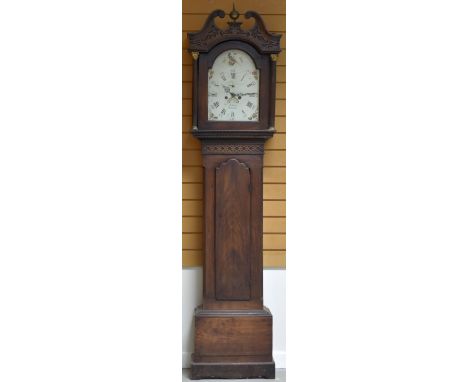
<point>192,208</point>
<point>274,177</point>
<point>186,107</point>
<point>274,225</point>
<point>187,124</point>
<point>192,224</point>
<point>191,158</point>
<point>281,59</point>
<point>186,57</point>
<point>274,158</point>
<point>192,174</point>
<point>274,241</point>
<point>192,258</point>
<point>280,124</point>
<point>280,108</point>
<point>274,208</point>
<point>187,73</point>
<point>281,73</point>
<point>192,191</point>
<point>190,142</point>
<point>192,241</point>
<point>281,91</point>
<point>274,191</point>
<point>274,259</point>
<point>186,90</point>
<point>279,143</point>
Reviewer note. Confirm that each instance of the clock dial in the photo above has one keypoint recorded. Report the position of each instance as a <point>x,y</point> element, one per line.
<point>233,87</point>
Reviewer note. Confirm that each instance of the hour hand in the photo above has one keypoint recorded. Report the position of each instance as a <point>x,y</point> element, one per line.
<point>233,96</point>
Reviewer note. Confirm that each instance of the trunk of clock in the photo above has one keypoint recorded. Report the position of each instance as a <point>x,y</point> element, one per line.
<point>233,330</point>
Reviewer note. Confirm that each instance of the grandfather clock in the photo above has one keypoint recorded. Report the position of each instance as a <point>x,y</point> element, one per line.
<point>234,80</point>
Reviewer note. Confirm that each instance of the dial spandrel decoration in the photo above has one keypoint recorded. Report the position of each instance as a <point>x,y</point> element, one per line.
<point>233,87</point>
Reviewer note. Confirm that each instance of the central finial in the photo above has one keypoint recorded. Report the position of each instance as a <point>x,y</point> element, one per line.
<point>234,15</point>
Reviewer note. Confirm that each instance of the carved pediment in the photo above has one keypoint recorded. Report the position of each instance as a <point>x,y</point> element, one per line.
<point>210,35</point>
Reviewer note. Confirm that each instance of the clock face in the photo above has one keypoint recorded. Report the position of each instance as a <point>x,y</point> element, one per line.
<point>233,84</point>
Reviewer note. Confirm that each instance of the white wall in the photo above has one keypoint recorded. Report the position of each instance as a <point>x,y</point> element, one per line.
<point>274,296</point>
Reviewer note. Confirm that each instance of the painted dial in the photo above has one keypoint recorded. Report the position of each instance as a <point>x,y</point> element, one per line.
<point>233,86</point>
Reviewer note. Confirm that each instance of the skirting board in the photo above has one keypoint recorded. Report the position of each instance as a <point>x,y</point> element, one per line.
<point>278,356</point>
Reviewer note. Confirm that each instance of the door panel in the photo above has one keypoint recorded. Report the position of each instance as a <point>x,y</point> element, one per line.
<point>232,241</point>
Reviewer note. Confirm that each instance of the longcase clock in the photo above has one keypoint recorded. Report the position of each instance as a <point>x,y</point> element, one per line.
<point>234,81</point>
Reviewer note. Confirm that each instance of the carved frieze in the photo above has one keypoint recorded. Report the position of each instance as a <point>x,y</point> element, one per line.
<point>236,148</point>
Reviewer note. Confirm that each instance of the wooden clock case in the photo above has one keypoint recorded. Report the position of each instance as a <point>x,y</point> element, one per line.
<point>233,330</point>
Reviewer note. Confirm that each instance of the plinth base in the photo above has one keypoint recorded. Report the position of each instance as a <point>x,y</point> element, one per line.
<point>233,344</point>
<point>233,370</point>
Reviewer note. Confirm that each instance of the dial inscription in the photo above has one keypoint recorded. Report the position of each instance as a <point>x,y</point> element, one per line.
<point>233,87</point>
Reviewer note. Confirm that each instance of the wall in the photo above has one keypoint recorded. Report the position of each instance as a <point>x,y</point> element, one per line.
<point>274,179</point>
<point>274,281</point>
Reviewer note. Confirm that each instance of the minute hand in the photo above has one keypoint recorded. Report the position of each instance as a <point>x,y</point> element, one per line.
<point>242,94</point>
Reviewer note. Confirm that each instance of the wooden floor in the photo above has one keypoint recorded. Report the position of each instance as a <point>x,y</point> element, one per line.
<point>280,377</point>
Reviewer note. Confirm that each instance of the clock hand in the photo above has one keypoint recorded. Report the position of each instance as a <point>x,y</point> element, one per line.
<point>233,96</point>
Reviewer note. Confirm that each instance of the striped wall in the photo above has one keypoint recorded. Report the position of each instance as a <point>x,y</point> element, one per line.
<point>274,182</point>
